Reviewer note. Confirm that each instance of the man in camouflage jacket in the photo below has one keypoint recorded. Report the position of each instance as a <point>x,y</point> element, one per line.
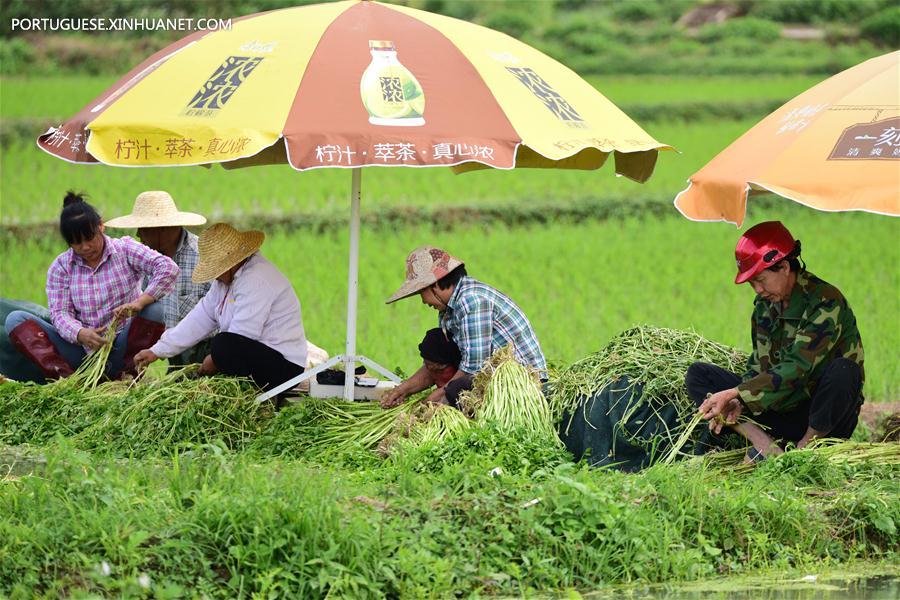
<point>805,375</point>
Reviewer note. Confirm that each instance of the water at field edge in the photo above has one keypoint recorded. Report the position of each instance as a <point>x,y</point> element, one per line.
<point>807,588</point>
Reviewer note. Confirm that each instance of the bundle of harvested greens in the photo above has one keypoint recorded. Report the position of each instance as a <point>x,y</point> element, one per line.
<point>506,393</point>
<point>833,451</point>
<point>362,425</point>
<point>92,368</point>
<point>439,422</point>
<point>434,423</point>
<point>654,360</point>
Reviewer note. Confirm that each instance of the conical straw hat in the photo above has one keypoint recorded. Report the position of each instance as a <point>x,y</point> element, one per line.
<point>424,266</point>
<point>221,247</point>
<point>155,209</point>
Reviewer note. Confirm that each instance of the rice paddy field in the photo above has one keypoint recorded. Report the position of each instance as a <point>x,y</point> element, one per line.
<point>138,492</point>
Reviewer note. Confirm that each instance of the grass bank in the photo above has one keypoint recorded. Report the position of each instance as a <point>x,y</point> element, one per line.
<point>207,522</point>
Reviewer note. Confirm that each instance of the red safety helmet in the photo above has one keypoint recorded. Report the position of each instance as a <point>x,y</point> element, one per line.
<point>762,246</point>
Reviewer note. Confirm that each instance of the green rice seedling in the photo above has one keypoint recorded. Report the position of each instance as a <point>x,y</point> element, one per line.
<point>563,310</point>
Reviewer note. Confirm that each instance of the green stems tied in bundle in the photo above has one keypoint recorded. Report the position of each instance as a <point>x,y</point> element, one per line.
<point>440,422</point>
<point>836,452</point>
<point>345,425</point>
<point>508,394</point>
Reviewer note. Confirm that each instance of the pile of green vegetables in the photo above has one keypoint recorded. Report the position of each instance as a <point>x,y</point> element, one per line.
<point>136,418</point>
<point>652,359</point>
<point>152,416</point>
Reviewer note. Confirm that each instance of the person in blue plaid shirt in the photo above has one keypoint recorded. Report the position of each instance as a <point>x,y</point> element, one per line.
<point>475,316</point>
<point>161,226</point>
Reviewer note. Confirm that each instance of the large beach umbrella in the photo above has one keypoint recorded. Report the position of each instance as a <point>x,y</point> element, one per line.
<point>835,147</point>
<point>349,85</point>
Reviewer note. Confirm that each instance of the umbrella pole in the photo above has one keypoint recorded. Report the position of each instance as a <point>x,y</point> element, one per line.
<point>349,357</point>
<point>352,286</point>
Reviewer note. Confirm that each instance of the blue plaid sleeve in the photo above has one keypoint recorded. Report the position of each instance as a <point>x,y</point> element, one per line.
<point>475,331</point>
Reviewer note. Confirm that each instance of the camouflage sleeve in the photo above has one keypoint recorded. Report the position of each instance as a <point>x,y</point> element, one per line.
<point>752,360</point>
<point>778,387</point>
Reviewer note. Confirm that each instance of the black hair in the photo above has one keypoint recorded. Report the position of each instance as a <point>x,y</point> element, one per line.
<point>79,221</point>
<point>793,260</point>
<point>436,347</point>
<point>452,278</point>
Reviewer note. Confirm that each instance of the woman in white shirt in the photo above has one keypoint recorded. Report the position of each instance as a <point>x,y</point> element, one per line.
<point>252,306</point>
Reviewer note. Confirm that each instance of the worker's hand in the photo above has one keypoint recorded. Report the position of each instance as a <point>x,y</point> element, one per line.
<point>392,398</point>
<point>716,404</point>
<point>207,367</point>
<point>728,417</point>
<point>128,309</point>
<point>92,337</point>
<point>733,412</point>
<point>143,359</point>
<point>437,397</point>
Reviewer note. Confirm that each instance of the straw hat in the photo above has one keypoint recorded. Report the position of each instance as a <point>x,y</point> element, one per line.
<point>221,247</point>
<point>424,266</point>
<point>156,209</point>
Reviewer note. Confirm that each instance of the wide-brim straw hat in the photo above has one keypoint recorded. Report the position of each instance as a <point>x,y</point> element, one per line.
<point>221,247</point>
<point>156,209</point>
<point>424,266</point>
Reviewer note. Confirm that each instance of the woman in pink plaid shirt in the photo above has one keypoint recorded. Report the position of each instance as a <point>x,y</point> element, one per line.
<point>96,279</point>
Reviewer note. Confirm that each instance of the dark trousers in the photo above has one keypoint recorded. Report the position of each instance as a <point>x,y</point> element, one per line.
<point>240,356</point>
<point>191,356</point>
<point>455,387</point>
<point>833,408</point>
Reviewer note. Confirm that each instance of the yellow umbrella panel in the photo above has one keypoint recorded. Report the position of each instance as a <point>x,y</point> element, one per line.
<point>351,84</point>
<point>836,147</point>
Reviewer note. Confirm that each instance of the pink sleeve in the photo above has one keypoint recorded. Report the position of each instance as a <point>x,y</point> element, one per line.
<point>59,300</point>
<point>160,269</point>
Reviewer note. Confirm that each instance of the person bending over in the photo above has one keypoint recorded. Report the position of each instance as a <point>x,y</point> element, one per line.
<point>251,304</point>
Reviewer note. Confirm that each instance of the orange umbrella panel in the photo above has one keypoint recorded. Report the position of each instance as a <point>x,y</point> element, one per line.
<point>836,147</point>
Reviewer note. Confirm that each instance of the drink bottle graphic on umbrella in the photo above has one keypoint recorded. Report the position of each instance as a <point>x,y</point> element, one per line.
<point>390,92</point>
